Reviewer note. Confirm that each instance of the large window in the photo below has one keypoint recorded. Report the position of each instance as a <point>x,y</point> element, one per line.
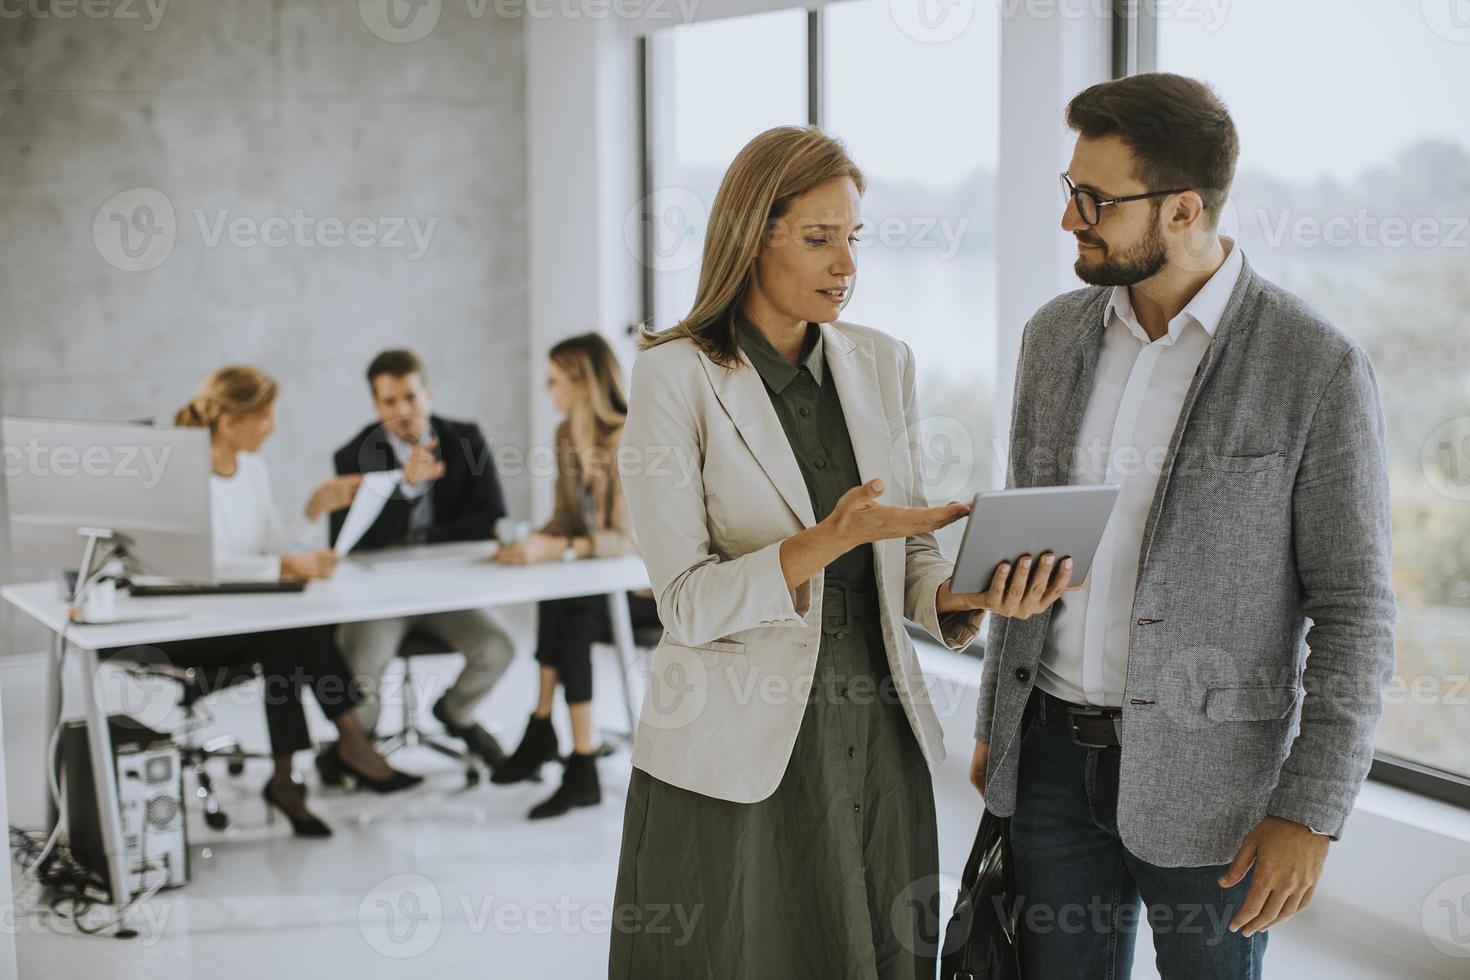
<point>715,85</point>
<point>918,109</point>
<point>920,115</point>
<point>1353,191</point>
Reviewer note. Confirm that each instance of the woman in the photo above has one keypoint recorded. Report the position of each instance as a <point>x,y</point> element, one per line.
<point>237,405</point>
<point>590,520</point>
<point>781,802</point>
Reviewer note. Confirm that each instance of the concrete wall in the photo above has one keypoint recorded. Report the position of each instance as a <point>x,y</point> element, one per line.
<point>256,133</point>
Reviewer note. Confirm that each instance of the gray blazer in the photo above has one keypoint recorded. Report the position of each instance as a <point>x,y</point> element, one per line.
<point>1272,510</point>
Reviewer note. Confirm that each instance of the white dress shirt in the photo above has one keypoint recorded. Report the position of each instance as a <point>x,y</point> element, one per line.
<point>1126,430</point>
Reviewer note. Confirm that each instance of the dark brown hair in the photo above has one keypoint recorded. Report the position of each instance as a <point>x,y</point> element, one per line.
<point>397,363</point>
<point>1180,132</point>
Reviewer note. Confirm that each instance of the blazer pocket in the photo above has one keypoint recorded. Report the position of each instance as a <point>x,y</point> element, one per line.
<point>1249,703</point>
<point>713,646</point>
<point>1242,464</point>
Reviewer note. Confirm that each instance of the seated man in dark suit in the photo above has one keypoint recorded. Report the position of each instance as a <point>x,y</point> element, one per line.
<point>449,492</point>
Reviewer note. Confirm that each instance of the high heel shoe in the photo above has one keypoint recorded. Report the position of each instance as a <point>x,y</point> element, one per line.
<point>394,782</point>
<point>307,826</point>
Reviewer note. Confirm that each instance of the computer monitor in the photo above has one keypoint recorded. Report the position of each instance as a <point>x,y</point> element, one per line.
<point>147,485</point>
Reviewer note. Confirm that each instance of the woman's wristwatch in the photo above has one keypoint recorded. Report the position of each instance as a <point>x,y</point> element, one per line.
<point>569,553</point>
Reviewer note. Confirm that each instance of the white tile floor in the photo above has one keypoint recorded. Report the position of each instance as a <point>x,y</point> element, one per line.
<point>440,883</point>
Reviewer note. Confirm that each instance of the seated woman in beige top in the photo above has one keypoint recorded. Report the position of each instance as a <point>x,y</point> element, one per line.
<point>590,520</point>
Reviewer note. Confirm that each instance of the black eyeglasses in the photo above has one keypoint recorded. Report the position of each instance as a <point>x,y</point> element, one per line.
<point>1090,205</point>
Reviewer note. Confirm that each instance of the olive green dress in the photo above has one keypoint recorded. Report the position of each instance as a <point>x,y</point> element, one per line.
<point>835,875</point>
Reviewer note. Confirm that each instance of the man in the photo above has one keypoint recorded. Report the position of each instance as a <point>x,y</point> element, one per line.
<point>449,492</point>
<point>1147,736</point>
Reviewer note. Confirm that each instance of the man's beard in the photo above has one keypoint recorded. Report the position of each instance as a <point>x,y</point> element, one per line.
<point>1140,262</point>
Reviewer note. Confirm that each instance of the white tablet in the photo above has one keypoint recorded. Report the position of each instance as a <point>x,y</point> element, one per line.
<point>1005,524</point>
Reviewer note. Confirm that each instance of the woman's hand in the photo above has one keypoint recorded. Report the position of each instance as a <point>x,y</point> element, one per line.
<point>531,549</point>
<point>333,494</point>
<point>309,564</point>
<point>859,519</point>
<point>1018,593</point>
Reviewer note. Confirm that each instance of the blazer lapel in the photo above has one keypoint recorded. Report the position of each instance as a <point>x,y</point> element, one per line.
<point>743,396</point>
<point>854,369</point>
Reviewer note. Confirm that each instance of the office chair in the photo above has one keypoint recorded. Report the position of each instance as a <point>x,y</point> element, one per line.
<point>194,754</point>
<point>422,643</point>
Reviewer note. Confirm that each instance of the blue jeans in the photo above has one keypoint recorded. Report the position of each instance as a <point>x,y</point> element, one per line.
<point>1079,887</point>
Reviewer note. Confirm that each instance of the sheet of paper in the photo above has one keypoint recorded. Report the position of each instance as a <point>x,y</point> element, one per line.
<point>372,494</point>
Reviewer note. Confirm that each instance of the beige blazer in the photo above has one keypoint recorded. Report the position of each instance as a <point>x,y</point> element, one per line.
<point>713,488</point>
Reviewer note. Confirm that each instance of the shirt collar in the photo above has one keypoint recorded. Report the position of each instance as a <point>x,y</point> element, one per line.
<point>1206,309</point>
<point>775,370</point>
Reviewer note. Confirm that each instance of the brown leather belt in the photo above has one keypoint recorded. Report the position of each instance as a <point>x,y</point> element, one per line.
<point>1088,726</point>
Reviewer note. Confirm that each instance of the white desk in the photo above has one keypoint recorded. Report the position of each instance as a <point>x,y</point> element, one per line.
<point>354,594</point>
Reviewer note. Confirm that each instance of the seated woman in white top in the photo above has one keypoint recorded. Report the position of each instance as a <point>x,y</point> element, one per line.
<point>237,405</point>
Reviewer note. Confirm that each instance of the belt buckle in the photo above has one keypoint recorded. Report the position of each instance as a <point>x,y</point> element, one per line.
<point>1072,714</point>
<point>842,592</point>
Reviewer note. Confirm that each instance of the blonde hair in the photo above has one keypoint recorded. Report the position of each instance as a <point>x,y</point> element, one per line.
<point>590,358</point>
<point>773,169</point>
<point>236,389</point>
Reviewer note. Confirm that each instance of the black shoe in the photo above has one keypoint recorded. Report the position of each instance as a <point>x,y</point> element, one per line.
<point>579,787</point>
<point>475,738</point>
<point>395,781</point>
<point>538,746</point>
<point>328,766</point>
<point>302,826</point>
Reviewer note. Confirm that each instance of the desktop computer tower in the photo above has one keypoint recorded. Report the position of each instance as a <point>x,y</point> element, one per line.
<point>150,791</point>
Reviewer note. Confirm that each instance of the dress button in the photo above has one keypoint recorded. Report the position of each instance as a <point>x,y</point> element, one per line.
<point>819,463</point>
<point>857,808</point>
<point>840,635</point>
<point>851,751</point>
<point>1022,674</point>
<point>805,411</point>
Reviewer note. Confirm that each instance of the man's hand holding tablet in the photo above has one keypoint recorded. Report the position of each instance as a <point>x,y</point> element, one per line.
<point>1018,590</point>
